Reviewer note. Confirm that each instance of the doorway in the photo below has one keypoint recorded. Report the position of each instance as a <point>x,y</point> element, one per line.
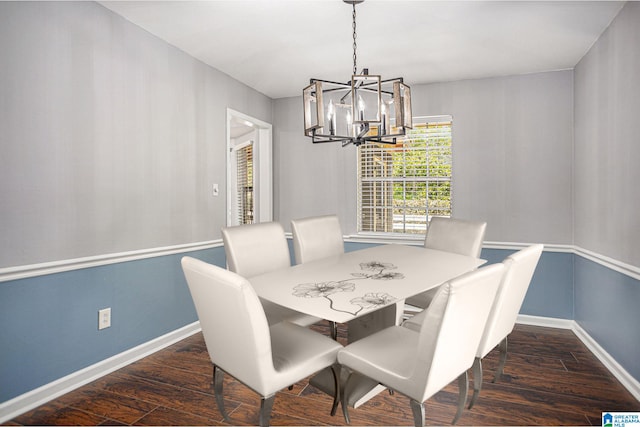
<point>249,169</point>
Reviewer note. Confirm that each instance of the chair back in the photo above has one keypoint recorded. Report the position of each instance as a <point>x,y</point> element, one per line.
<point>316,237</point>
<point>455,235</point>
<point>510,296</point>
<point>452,328</point>
<point>233,322</point>
<point>253,249</point>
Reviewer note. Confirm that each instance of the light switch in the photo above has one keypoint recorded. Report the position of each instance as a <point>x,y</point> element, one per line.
<point>216,189</point>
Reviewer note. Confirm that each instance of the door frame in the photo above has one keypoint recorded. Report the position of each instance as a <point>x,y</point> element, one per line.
<point>262,166</point>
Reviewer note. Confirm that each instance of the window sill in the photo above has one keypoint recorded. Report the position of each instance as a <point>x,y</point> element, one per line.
<point>385,238</point>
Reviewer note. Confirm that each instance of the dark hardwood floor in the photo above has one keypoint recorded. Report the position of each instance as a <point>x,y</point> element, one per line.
<point>550,378</point>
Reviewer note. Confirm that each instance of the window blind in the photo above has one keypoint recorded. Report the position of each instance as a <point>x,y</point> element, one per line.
<point>244,179</point>
<point>401,186</point>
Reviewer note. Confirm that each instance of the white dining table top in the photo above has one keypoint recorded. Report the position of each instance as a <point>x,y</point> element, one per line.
<point>343,287</point>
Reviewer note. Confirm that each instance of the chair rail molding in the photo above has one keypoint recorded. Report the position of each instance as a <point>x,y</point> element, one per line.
<point>613,264</point>
<point>41,269</point>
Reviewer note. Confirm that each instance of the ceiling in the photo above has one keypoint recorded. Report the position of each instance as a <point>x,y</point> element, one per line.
<point>275,46</point>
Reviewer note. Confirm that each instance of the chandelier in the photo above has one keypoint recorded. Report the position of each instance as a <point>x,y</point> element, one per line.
<point>365,109</point>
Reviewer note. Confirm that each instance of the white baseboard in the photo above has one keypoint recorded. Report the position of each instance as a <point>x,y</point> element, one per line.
<point>34,398</point>
<point>549,322</point>
<point>626,379</point>
<point>609,362</point>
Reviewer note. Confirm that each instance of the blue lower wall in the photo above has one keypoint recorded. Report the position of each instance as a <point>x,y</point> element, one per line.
<point>49,323</point>
<point>608,309</point>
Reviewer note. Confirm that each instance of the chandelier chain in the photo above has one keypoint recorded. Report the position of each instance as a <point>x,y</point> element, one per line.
<point>355,45</point>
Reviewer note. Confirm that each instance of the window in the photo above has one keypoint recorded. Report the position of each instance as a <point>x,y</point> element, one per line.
<point>400,187</point>
<point>244,182</point>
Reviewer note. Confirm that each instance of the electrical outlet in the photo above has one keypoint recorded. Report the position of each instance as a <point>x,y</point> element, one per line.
<point>104,318</point>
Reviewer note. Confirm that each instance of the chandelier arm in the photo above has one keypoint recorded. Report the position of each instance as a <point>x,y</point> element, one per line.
<point>395,79</point>
<point>379,140</point>
<point>365,129</point>
<point>325,139</point>
<point>341,84</point>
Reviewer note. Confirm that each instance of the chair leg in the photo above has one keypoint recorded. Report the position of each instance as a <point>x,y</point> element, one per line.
<point>345,403</point>
<point>335,369</point>
<point>503,359</point>
<point>218,376</point>
<point>477,380</point>
<point>418,413</point>
<point>266,405</point>
<point>463,389</point>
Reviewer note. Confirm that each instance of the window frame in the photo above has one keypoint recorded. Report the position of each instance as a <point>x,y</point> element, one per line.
<point>429,179</point>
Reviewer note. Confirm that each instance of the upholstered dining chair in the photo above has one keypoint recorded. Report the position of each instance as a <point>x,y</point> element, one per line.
<point>519,269</point>
<point>452,235</point>
<point>420,363</point>
<point>254,249</point>
<point>316,237</point>
<point>241,343</point>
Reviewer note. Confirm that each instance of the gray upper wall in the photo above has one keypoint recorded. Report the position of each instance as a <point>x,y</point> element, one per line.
<point>512,157</point>
<point>607,142</point>
<point>110,138</point>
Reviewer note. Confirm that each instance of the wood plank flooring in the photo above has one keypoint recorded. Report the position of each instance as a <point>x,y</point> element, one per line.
<point>550,378</point>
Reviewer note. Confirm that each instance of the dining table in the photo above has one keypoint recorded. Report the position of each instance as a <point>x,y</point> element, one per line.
<point>343,287</point>
<point>365,287</point>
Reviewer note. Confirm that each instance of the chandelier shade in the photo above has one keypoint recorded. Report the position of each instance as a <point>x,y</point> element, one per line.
<point>365,109</point>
